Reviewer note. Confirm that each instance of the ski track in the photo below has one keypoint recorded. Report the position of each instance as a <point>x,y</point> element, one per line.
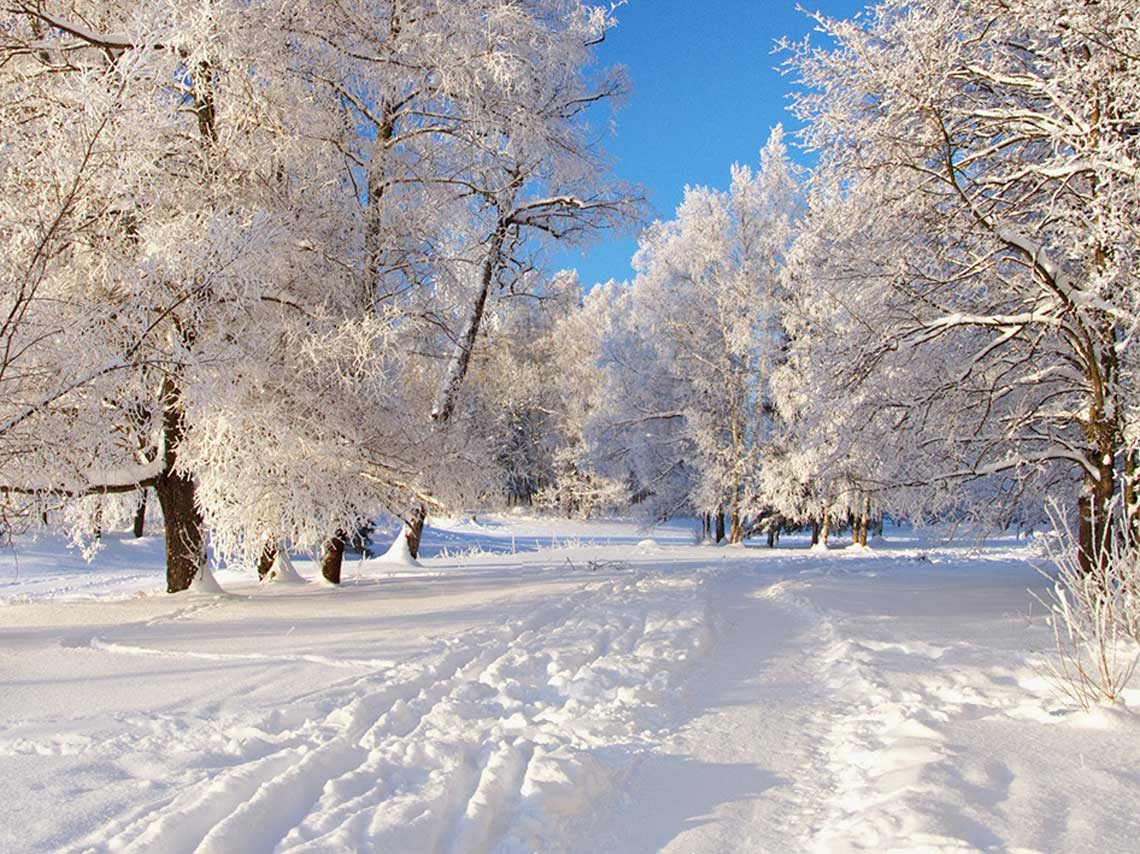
<point>595,721</point>
<point>484,743</point>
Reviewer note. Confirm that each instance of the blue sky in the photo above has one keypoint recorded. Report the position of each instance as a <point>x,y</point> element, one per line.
<point>705,92</point>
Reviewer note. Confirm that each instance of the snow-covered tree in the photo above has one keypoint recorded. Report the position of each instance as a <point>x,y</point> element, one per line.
<point>704,308</point>
<point>264,224</point>
<point>982,156</point>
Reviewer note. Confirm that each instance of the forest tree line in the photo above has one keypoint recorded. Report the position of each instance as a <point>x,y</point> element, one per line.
<point>286,268</point>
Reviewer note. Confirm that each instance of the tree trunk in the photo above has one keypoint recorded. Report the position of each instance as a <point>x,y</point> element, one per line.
<point>736,527</point>
<point>1095,506</point>
<point>864,520</point>
<point>265,562</point>
<point>815,533</point>
<point>1131,508</point>
<point>415,531</point>
<point>185,531</point>
<point>771,538</point>
<point>140,516</point>
<point>706,527</point>
<point>720,526</point>
<point>185,537</point>
<point>461,355</point>
<point>332,557</point>
<point>825,529</point>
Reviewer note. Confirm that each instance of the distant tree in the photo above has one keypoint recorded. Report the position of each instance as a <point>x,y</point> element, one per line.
<point>704,313</point>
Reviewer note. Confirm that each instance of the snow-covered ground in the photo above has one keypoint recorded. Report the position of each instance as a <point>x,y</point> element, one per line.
<point>543,685</point>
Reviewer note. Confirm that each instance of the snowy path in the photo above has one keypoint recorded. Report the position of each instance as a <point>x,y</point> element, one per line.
<point>679,698</point>
<point>725,779</point>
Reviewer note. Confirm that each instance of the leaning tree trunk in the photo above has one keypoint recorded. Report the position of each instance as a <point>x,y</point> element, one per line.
<point>460,360</point>
<point>332,557</point>
<point>185,530</point>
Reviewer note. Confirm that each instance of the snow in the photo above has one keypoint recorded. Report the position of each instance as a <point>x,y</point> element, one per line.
<point>282,571</point>
<point>204,584</point>
<point>508,698</point>
<point>398,553</point>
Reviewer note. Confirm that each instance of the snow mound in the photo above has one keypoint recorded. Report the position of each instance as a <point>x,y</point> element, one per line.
<point>204,584</point>
<point>820,547</point>
<point>398,553</point>
<point>283,571</point>
<point>648,545</point>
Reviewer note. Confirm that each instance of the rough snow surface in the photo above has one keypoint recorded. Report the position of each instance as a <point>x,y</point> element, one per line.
<point>508,698</point>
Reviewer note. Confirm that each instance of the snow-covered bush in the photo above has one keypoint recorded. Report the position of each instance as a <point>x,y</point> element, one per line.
<point>579,491</point>
<point>1094,614</point>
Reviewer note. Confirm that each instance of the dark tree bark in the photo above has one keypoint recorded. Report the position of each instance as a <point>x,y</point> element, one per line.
<point>185,537</point>
<point>140,516</point>
<point>265,561</point>
<point>185,533</point>
<point>815,533</point>
<point>332,557</point>
<point>415,530</point>
<point>864,520</point>
<point>720,526</point>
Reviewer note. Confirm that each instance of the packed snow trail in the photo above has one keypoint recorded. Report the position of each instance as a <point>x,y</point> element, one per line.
<point>539,685</point>
<point>723,780</point>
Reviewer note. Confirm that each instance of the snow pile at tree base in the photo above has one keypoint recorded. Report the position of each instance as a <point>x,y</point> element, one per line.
<point>204,584</point>
<point>398,553</point>
<point>283,571</point>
